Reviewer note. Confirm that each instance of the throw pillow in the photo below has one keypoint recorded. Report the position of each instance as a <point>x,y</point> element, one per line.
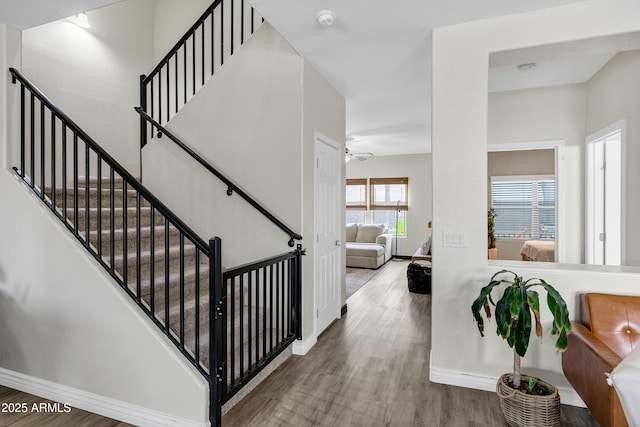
<point>425,247</point>
<point>367,233</point>
<point>352,231</point>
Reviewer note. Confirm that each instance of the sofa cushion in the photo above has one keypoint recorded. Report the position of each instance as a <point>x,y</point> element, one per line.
<point>615,319</point>
<point>425,246</point>
<point>352,231</point>
<point>367,233</point>
<point>365,250</point>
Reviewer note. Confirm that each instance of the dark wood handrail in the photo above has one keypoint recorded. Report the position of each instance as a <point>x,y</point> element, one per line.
<point>232,187</point>
<point>117,167</point>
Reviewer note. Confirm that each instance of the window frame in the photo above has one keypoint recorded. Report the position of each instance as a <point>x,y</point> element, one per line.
<point>534,180</point>
<point>373,205</point>
<point>354,182</point>
<point>370,207</point>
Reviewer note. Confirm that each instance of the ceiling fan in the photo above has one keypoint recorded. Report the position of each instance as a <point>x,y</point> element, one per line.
<point>358,156</point>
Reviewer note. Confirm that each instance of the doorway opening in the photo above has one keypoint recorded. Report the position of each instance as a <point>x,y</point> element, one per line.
<point>603,195</point>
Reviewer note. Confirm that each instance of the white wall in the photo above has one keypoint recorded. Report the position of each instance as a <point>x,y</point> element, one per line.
<point>417,167</point>
<point>324,111</point>
<point>65,322</point>
<point>171,19</point>
<point>460,110</point>
<point>92,74</point>
<point>246,122</point>
<point>547,114</point>
<point>254,121</point>
<point>613,95</point>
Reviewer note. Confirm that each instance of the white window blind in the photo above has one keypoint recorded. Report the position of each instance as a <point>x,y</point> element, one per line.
<point>524,207</point>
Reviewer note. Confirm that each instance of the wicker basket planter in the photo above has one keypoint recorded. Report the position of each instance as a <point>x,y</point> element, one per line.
<point>525,410</point>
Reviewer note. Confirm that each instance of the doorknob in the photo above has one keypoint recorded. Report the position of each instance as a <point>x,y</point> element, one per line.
<point>337,242</point>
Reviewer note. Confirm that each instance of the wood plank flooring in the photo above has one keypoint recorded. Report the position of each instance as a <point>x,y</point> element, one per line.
<point>45,413</point>
<point>368,369</point>
<point>371,368</point>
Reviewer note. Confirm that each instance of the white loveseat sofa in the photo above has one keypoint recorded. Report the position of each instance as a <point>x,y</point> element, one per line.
<point>367,245</point>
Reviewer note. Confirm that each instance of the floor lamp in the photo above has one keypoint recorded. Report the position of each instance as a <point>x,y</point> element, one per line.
<point>397,215</point>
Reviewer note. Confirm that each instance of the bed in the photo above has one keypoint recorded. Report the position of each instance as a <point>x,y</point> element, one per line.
<point>538,250</point>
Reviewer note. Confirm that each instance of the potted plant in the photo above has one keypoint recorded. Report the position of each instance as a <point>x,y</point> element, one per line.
<point>493,251</point>
<point>525,400</point>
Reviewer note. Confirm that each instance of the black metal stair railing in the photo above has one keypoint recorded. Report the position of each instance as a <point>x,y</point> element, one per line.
<point>65,167</point>
<point>231,186</point>
<point>260,305</point>
<point>211,40</point>
<point>228,324</point>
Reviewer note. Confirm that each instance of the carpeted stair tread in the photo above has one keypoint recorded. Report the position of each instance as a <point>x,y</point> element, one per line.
<point>134,237</point>
<point>105,197</point>
<point>118,217</point>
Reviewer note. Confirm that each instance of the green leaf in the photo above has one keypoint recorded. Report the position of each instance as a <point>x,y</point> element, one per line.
<point>482,302</point>
<point>561,321</point>
<point>534,304</point>
<point>563,341</point>
<point>516,308</point>
<point>523,327</point>
<point>504,320</point>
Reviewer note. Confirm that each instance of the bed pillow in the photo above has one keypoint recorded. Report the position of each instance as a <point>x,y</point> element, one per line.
<point>367,233</point>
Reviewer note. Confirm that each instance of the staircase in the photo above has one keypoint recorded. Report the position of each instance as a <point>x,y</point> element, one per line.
<point>229,324</point>
<point>145,251</point>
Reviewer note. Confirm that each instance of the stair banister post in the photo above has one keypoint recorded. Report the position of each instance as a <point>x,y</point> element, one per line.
<point>298,291</point>
<point>217,346</point>
<point>143,122</point>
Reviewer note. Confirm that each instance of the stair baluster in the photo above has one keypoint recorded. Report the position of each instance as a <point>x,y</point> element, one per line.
<point>174,276</point>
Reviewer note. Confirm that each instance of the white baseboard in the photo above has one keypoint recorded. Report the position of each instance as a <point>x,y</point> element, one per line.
<point>568,395</point>
<point>101,405</point>
<point>302,347</point>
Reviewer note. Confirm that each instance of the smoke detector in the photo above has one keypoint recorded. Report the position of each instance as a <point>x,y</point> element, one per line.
<point>529,66</point>
<point>326,17</point>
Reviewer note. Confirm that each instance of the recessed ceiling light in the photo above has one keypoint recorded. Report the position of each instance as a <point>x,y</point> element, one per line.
<point>326,17</point>
<point>529,66</point>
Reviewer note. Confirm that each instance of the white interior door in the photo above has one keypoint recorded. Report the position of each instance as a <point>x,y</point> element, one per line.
<point>328,229</point>
<point>604,196</point>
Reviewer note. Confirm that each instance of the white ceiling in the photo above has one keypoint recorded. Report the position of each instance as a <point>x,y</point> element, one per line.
<point>377,55</point>
<point>556,64</point>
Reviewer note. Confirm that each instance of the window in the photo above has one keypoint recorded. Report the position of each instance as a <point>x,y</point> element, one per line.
<point>389,201</point>
<point>389,218</point>
<point>356,196</point>
<point>387,204</point>
<point>389,193</point>
<point>524,206</point>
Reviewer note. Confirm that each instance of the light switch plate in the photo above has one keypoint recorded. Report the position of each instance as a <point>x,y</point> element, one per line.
<point>455,239</point>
